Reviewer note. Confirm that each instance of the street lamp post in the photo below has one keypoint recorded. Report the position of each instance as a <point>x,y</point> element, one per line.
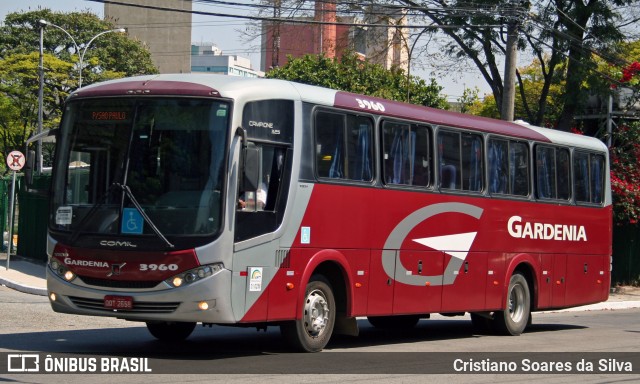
<point>409,64</point>
<point>77,47</point>
<point>42,23</point>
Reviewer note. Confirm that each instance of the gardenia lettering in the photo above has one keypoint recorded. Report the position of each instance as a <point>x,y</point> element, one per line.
<point>544,231</point>
<point>86,263</point>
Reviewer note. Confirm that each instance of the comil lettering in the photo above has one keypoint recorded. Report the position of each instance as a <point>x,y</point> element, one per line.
<point>544,231</point>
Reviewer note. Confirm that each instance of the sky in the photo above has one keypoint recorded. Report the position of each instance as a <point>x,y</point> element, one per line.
<point>226,34</point>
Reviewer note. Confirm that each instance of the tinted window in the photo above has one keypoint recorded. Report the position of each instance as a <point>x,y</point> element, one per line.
<point>508,167</point>
<point>552,173</point>
<point>588,171</point>
<point>406,154</point>
<point>460,161</point>
<point>344,147</point>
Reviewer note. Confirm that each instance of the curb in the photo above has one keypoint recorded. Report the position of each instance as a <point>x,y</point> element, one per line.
<point>23,288</point>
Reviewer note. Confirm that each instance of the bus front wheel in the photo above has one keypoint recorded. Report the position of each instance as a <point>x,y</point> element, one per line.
<point>514,319</point>
<point>312,332</point>
<point>170,331</point>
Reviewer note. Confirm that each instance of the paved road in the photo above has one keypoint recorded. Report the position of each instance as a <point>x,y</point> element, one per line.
<point>29,326</point>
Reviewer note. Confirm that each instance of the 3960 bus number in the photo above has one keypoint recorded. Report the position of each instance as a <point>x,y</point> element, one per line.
<point>158,267</point>
<point>373,105</point>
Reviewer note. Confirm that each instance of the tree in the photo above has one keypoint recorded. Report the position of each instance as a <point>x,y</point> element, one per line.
<point>351,74</point>
<point>625,173</point>
<point>109,56</point>
<point>19,96</point>
<point>558,34</point>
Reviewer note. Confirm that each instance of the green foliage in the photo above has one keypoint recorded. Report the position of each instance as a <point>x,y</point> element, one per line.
<point>351,74</point>
<point>112,55</point>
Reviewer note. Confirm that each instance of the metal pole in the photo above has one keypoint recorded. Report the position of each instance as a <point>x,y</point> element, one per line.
<point>609,118</point>
<point>509,89</point>
<point>40,98</point>
<point>11,204</point>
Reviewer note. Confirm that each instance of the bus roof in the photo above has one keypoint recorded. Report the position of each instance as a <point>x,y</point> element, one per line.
<point>210,85</point>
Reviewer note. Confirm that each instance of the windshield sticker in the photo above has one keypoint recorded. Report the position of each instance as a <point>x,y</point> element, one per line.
<point>132,221</point>
<point>64,215</point>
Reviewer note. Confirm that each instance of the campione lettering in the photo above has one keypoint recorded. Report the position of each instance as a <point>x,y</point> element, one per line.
<point>545,231</point>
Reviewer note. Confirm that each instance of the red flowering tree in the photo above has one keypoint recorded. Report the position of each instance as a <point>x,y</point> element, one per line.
<point>625,174</point>
<point>625,161</point>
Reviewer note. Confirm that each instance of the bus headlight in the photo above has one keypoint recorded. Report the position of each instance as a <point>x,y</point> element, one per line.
<point>60,270</point>
<point>194,275</point>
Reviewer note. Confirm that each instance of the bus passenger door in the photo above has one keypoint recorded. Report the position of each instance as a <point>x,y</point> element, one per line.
<point>418,276</point>
<point>468,284</point>
<point>558,279</point>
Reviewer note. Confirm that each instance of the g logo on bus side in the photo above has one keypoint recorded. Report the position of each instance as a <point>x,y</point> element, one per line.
<point>456,245</point>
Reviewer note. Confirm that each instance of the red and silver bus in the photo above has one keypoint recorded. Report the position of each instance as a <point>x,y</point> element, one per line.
<point>185,199</point>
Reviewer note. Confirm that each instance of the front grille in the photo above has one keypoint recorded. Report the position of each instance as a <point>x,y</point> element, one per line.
<point>118,283</point>
<point>138,306</point>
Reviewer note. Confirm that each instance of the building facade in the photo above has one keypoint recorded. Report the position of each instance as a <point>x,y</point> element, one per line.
<point>379,36</point>
<point>209,58</point>
<point>167,33</point>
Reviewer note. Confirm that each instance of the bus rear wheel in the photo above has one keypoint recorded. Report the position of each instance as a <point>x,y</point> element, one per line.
<point>514,319</point>
<point>312,332</point>
<point>170,331</point>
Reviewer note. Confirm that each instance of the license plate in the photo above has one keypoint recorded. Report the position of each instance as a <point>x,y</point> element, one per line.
<point>118,302</point>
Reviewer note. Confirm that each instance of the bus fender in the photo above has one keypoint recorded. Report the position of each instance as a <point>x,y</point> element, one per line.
<point>325,255</point>
<point>531,264</point>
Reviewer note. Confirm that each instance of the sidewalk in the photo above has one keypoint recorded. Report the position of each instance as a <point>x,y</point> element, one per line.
<point>23,275</point>
<point>29,277</point>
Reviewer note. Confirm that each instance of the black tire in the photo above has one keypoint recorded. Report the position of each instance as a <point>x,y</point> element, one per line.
<point>313,331</point>
<point>170,331</point>
<point>394,322</point>
<point>513,320</point>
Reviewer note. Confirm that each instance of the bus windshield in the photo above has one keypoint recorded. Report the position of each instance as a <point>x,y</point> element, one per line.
<point>120,159</point>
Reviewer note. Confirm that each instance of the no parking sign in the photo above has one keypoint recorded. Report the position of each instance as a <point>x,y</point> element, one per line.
<point>15,160</point>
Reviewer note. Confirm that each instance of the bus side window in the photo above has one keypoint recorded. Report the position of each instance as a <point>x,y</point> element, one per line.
<point>553,173</point>
<point>518,169</point>
<point>597,178</point>
<point>405,154</point>
<point>588,177</point>
<point>460,161</point>
<point>344,146</point>
<point>563,174</point>
<point>449,159</point>
<point>581,177</point>
<point>264,197</point>
<point>472,163</point>
<point>545,173</point>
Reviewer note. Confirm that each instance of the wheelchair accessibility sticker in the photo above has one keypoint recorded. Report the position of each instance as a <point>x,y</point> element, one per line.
<point>132,222</point>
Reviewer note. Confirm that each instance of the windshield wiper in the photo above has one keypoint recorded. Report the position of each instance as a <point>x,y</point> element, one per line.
<point>127,191</point>
<point>101,202</point>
